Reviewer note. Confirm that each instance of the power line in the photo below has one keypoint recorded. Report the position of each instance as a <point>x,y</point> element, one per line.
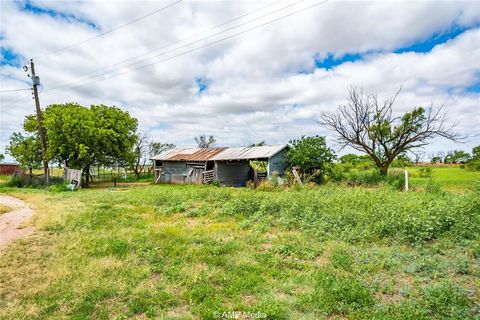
<point>182,46</point>
<point>108,31</point>
<point>14,90</point>
<point>180,41</point>
<point>201,47</point>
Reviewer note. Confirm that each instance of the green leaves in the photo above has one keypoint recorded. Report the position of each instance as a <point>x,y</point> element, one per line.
<point>78,135</point>
<point>310,153</point>
<point>25,150</point>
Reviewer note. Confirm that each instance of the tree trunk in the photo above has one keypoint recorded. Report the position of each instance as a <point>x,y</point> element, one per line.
<point>87,176</point>
<point>384,167</point>
<point>383,170</point>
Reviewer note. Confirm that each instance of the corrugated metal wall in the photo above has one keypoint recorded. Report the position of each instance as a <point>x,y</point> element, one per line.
<point>232,173</point>
<point>181,172</point>
<point>278,163</point>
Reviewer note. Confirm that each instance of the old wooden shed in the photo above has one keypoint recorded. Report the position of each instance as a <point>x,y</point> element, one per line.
<point>230,166</point>
<point>8,168</point>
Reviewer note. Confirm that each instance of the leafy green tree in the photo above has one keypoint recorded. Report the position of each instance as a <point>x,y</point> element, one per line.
<point>369,126</point>
<point>353,159</point>
<point>476,153</point>
<point>310,153</point>
<point>436,159</point>
<point>456,156</point>
<point>81,137</point>
<point>25,150</point>
<point>1,157</point>
<point>474,163</point>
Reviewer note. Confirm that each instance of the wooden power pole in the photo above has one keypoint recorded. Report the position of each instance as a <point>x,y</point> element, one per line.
<point>41,131</point>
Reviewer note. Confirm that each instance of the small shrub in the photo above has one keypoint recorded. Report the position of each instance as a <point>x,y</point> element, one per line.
<point>242,206</point>
<point>425,172</point>
<point>433,187</point>
<point>473,165</point>
<point>265,185</point>
<point>59,187</point>
<point>341,258</point>
<point>16,182</point>
<point>446,301</point>
<point>395,179</point>
<point>340,294</point>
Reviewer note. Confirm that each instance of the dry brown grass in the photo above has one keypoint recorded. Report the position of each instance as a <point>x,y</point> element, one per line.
<point>4,209</point>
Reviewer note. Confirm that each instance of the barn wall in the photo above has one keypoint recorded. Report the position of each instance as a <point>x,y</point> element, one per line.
<point>173,172</point>
<point>278,163</point>
<point>8,169</point>
<point>232,173</point>
<point>181,172</point>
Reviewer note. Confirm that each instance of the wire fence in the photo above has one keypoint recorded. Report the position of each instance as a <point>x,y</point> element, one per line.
<point>102,174</point>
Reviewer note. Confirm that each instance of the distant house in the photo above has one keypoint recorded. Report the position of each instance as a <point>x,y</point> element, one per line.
<point>8,168</point>
<point>230,166</point>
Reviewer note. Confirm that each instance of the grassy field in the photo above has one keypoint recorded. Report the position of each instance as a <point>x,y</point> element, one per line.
<point>449,178</point>
<point>194,252</point>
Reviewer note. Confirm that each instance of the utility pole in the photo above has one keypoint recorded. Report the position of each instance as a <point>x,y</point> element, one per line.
<point>41,131</point>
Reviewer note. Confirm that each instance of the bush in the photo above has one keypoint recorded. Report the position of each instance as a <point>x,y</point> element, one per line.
<point>16,182</point>
<point>425,172</point>
<point>432,187</point>
<point>372,177</point>
<point>473,165</point>
<point>32,181</point>
<point>59,187</point>
<point>340,294</point>
<point>362,215</point>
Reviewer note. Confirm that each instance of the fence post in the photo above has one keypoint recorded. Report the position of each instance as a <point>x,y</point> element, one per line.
<point>406,180</point>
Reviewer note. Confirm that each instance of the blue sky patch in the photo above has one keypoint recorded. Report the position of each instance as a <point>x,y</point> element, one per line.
<point>475,88</point>
<point>28,6</point>
<point>434,40</point>
<point>331,61</point>
<point>9,57</point>
<point>202,85</point>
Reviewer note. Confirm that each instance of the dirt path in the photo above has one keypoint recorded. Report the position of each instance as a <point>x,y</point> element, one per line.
<point>12,223</point>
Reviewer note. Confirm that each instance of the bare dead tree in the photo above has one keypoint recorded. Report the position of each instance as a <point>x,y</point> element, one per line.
<point>368,125</point>
<point>140,150</point>
<point>156,148</point>
<point>418,155</point>
<point>204,142</point>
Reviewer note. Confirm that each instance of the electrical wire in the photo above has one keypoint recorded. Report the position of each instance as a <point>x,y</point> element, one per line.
<point>14,90</point>
<point>183,46</point>
<point>198,48</point>
<point>107,32</point>
<point>177,42</point>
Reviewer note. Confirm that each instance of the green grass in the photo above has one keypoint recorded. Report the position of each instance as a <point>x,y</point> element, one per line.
<point>189,252</point>
<point>450,178</point>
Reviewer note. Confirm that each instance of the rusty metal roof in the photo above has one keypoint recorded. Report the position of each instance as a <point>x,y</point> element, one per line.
<point>188,154</point>
<point>221,153</point>
<point>249,153</point>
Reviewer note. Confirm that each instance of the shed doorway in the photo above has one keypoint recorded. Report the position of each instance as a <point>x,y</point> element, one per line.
<point>210,165</point>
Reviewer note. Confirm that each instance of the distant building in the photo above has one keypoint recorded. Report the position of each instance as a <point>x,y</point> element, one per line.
<point>7,169</point>
<point>230,166</point>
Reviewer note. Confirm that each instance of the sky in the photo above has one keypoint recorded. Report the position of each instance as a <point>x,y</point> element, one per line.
<point>243,71</point>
